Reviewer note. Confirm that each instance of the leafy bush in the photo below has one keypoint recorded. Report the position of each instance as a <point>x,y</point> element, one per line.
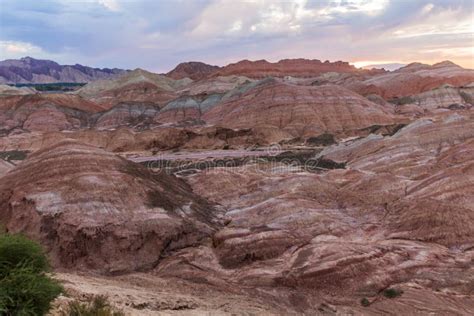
<point>322,140</point>
<point>23,291</point>
<point>13,155</point>
<point>25,288</point>
<point>364,302</point>
<point>99,306</point>
<point>392,293</point>
<point>17,250</point>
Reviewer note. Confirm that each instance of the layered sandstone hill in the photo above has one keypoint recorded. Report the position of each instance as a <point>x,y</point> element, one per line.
<point>44,112</point>
<point>193,69</point>
<point>176,102</point>
<point>92,209</point>
<point>215,85</point>
<point>399,215</point>
<point>146,142</point>
<point>433,159</point>
<point>201,96</point>
<point>302,110</point>
<point>444,97</point>
<point>413,79</point>
<point>287,67</point>
<point>135,86</point>
<point>66,112</point>
<point>6,90</point>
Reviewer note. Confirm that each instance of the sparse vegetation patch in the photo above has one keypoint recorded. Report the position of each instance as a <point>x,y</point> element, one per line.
<point>25,286</point>
<point>98,306</point>
<point>392,292</point>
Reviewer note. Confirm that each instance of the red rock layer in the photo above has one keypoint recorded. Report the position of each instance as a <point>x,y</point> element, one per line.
<point>194,70</point>
<point>93,209</point>
<point>399,215</point>
<point>64,100</point>
<point>286,67</point>
<point>45,112</point>
<point>135,92</point>
<point>303,110</point>
<point>413,79</point>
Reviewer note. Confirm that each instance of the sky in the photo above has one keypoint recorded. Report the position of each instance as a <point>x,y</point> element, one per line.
<point>158,34</point>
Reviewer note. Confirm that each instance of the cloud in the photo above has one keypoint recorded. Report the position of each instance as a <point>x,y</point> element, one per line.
<point>12,49</point>
<point>159,34</point>
<point>112,5</point>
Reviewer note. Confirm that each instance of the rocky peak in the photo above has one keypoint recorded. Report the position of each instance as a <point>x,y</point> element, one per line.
<point>31,70</point>
<point>445,63</point>
<point>194,70</point>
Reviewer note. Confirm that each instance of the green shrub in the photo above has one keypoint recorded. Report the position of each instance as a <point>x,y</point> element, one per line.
<point>17,250</point>
<point>25,292</point>
<point>13,155</point>
<point>25,288</point>
<point>392,293</point>
<point>99,306</point>
<point>364,302</point>
<point>324,139</point>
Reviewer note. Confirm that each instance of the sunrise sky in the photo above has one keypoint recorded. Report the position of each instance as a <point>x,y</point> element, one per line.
<point>157,35</point>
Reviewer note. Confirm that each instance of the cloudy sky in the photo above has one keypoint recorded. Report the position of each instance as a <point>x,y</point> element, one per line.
<point>156,35</point>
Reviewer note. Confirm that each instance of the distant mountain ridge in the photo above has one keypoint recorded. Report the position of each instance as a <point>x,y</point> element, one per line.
<point>387,66</point>
<point>31,70</point>
<point>258,69</point>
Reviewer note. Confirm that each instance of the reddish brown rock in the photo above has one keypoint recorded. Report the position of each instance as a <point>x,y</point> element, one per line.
<point>44,112</point>
<point>433,161</point>
<point>10,90</point>
<point>135,86</point>
<point>94,210</point>
<point>386,211</point>
<point>287,67</point>
<point>413,79</point>
<point>301,110</point>
<point>5,166</point>
<point>400,213</point>
<point>193,69</point>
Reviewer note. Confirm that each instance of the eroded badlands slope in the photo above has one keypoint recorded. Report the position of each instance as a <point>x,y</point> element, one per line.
<point>399,215</point>
<point>327,198</point>
<point>300,110</point>
<point>413,79</point>
<point>94,210</point>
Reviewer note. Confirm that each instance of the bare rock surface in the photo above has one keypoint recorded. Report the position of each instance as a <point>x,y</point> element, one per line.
<point>134,86</point>
<point>413,79</point>
<point>397,215</point>
<point>287,67</point>
<point>5,166</point>
<point>301,110</point>
<point>6,90</point>
<point>125,140</point>
<point>444,97</point>
<point>299,196</point>
<point>214,85</point>
<point>193,70</point>
<point>44,112</point>
<point>94,210</point>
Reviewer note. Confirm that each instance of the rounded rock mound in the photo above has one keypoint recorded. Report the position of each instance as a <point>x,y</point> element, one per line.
<point>300,110</point>
<point>92,209</point>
